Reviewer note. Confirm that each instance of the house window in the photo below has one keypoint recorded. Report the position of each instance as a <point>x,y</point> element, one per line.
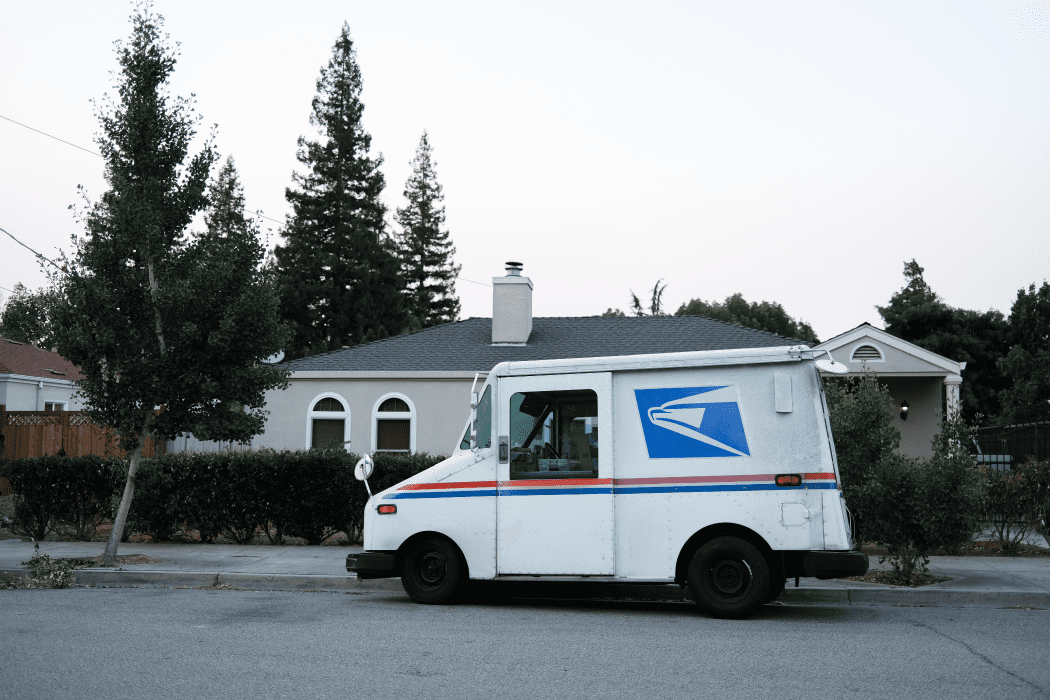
<point>328,422</point>
<point>54,405</point>
<point>394,424</point>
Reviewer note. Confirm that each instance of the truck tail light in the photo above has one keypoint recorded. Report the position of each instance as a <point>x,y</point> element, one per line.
<point>788,479</point>
<point>387,509</point>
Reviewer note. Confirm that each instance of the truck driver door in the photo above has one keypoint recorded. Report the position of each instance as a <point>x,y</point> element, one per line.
<point>554,497</point>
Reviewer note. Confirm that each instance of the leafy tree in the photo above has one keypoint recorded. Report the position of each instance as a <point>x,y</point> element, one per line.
<point>338,272</point>
<point>918,315</point>
<point>424,248</point>
<point>1027,365</point>
<point>613,312</point>
<point>155,317</point>
<point>763,316</point>
<point>27,316</point>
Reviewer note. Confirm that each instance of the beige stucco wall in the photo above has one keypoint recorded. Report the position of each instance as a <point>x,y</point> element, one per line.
<point>18,394</point>
<point>442,409</point>
<point>923,395</point>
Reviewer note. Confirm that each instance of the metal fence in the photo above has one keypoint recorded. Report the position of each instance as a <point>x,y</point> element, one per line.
<point>1008,445</point>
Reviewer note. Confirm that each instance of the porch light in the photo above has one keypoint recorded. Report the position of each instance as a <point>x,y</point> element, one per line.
<point>904,410</point>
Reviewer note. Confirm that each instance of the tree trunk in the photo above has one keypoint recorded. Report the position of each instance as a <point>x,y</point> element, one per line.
<point>156,309</point>
<point>109,556</point>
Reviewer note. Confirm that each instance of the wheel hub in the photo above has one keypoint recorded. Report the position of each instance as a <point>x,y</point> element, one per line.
<point>730,578</point>
<point>432,568</point>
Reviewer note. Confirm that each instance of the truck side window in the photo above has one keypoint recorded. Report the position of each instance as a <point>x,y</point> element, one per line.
<point>554,435</point>
<point>484,423</point>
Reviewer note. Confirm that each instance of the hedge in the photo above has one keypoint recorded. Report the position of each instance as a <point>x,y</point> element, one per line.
<point>309,494</point>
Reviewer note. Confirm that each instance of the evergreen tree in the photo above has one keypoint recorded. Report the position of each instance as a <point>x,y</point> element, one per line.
<point>26,316</point>
<point>979,339</point>
<point>764,316</point>
<point>1027,365</point>
<point>338,272</point>
<point>424,247</point>
<point>154,317</point>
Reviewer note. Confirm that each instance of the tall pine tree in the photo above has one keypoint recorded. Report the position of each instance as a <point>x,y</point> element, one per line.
<point>424,246</point>
<point>338,271</point>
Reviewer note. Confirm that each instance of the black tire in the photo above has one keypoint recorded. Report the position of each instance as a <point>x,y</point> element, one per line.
<point>729,577</point>
<point>434,571</point>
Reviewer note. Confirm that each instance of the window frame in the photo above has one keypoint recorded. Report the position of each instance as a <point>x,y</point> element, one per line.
<point>311,415</point>
<point>409,415</point>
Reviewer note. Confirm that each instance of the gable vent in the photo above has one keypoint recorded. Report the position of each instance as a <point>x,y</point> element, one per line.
<point>866,353</point>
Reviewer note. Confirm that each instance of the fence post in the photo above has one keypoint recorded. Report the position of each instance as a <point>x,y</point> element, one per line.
<point>3,430</point>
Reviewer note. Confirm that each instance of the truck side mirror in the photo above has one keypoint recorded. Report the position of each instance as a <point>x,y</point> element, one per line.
<point>473,421</point>
<point>363,469</point>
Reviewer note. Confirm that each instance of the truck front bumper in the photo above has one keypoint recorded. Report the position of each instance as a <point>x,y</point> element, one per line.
<point>372,564</point>
<point>828,564</point>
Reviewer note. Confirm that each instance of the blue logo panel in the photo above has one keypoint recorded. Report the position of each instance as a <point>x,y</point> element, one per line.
<point>699,421</point>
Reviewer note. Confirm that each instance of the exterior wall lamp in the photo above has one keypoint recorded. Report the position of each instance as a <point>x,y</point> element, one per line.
<point>904,410</point>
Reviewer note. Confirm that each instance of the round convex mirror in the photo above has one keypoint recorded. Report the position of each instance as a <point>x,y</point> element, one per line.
<point>364,468</point>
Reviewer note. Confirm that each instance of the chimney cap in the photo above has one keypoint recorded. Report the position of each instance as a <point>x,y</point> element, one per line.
<point>513,268</point>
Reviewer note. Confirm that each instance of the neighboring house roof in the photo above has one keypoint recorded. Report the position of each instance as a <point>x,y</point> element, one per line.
<point>28,361</point>
<point>467,345</point>
<point>866,332</point>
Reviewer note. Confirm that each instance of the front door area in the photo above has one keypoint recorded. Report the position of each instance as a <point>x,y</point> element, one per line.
<point>554,505</point>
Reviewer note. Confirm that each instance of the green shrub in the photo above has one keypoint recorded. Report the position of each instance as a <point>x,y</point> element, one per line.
<point>1017,502</point>
<point>158,508</point>
<point>73,494</point>
<point>916,506</point>
<point>861,413</point>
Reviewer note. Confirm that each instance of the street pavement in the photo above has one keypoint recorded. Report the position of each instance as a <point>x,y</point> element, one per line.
<point>973,581</point>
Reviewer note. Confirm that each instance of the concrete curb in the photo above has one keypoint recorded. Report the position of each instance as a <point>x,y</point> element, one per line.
<point>905,597</point>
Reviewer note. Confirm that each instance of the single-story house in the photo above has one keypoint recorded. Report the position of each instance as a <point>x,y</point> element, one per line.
<point>412,392</point>
<point>32,379</point>
<point>923,384</point>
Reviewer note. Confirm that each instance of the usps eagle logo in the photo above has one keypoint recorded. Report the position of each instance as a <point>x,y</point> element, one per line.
<point>699,421</point>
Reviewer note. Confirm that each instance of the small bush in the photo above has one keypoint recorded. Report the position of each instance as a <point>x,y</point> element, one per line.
<point>916,506</point>
<point>73,494</point>
<point>158,507</point>
<point>1017,503</point>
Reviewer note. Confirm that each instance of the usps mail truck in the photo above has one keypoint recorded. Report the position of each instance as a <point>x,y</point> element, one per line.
<point>713,470</point>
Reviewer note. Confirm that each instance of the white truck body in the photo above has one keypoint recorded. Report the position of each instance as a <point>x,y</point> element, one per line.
<point>629,461</point>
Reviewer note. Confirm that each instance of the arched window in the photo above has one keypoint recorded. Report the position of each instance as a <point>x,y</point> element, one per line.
<point>394,424</point>
<point>328,422</point>
<point>867,353</point>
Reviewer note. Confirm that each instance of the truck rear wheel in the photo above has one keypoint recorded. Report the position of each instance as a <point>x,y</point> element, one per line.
<point>433,572</point>
<point>729,577</point>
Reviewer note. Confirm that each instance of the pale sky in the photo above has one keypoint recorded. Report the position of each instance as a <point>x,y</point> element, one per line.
<point>796,152</point>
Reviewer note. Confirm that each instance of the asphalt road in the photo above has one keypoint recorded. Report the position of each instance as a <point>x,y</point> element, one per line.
<point>156,643</point>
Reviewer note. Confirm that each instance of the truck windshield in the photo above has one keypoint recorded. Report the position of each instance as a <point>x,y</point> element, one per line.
<point>554,435</point>
<point>483,424</point>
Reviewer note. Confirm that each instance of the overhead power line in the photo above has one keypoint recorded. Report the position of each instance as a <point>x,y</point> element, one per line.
<point>99,155</point>
<point>42,257</point>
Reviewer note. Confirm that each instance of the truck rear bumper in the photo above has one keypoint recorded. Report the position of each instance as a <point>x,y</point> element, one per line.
<point>829,564</point>
<point>372,564</point>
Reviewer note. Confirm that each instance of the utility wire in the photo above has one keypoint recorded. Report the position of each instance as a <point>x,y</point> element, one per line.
<point>30,249</point>
<point>50,136</point>
<point>257,213</point>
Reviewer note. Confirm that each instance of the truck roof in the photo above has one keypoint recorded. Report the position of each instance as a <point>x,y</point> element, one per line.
<point>699,358</point>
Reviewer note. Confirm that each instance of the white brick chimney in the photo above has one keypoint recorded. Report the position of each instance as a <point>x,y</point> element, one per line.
<point>511,307</point>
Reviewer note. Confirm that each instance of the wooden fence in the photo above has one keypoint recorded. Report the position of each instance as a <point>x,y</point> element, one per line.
<point>38,433</point>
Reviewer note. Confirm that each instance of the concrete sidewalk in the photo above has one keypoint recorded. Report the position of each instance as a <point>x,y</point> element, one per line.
<point>975,581</point>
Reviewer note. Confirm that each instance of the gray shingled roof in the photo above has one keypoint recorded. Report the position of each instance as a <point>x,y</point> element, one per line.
<point>467,345</point>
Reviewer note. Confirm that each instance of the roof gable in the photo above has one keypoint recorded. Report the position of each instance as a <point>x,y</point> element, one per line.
<point>897,356</point>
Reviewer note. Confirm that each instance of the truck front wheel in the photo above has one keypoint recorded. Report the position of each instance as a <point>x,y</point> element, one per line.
<point>433,572</point>
<point>729,577</point>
